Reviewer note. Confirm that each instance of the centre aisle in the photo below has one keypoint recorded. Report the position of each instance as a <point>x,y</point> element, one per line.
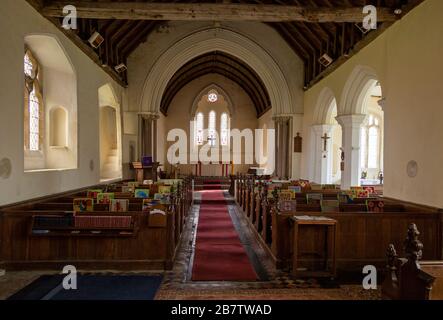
<point>219,254</point>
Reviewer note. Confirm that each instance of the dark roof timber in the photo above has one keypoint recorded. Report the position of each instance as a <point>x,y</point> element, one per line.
<point>310,27</point>
<point>225,65</point>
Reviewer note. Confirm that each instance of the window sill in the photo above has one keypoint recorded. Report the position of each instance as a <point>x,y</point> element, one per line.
<point>49,170</point>
<point>59,147</point>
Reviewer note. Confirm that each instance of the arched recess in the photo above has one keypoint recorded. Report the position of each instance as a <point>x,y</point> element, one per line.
<point>211,40</point>
<point>58,127</point>
<point>110,134</point>
<point>59,80</point>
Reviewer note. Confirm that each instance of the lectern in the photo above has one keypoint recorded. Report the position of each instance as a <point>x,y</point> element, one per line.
<point>330,240</point>
<point>145,172</point>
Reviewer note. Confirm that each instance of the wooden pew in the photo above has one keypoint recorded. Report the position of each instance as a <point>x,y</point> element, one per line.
<point>409,278</point>
<point>361,235</point>
<point>147,246</point>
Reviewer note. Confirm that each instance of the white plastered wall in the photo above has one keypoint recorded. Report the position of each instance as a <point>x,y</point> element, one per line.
<point>18,19</point>
<point>405,59</point>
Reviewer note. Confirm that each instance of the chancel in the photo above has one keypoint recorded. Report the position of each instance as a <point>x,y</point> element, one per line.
<point>220,150</point>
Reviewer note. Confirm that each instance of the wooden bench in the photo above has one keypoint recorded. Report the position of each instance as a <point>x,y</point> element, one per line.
<point>409,278</point>
<point>147,244</point>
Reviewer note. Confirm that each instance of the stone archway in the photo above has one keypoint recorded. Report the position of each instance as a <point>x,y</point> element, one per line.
<point>324,131</point>
<point>206,41</point>
<point>351,115</point>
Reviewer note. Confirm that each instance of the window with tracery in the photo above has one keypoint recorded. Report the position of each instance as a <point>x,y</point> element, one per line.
<point>211,129</point>
<point>224,129</point>
<point>33,104</point>
<point>370,143</point>
<point>199,129</point>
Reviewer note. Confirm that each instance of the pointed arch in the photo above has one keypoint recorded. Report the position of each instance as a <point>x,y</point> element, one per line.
<point>226,41</point>
<point>326,102</point>
<point>355,91</point>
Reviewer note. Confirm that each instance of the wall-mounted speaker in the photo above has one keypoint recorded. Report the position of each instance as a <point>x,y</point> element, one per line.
<point>325,60</point>
<point>121,68</point>
<point>96,40</point>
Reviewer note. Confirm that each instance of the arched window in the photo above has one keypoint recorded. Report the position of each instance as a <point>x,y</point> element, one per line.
<point>211,129</point>
<point>370,143</point>
<point>363,147</point>
<point>224,130</point>
<point>373,148</point>
<point>33,103</point>
<point>199,129</point>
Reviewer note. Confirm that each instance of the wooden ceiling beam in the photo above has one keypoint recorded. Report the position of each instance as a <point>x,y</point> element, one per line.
<point>213,11</point>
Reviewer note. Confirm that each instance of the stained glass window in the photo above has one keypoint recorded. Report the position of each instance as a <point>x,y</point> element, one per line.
<point>29,67</point>
<point>211,129</point>
<point>34,121</point>
<point>199,129</point>
<point>224,133</point>
<point>212,97</point>
<point>33,103</point>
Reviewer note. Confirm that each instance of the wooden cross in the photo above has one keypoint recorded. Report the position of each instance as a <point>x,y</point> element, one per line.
<point>325,141</point>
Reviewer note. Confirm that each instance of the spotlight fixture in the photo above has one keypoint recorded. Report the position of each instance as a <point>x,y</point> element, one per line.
<point>96,40</point>
<point>398,12</point>
<point>120,68</point>
<point>325,60</point>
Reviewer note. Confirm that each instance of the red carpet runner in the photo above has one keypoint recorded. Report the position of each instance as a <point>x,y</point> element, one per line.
<point>219,254</point>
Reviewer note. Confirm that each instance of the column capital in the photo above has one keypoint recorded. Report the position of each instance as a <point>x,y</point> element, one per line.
<point>352,120</point>
<point>149,115</point>
<point>281,118</point>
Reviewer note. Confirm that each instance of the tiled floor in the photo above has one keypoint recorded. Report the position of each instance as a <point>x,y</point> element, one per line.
<point>274,284</point>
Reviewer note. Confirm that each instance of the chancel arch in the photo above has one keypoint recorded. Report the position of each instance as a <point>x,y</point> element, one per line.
<point>110,134</point>
<point>50,133</point>
<point>203,42</point>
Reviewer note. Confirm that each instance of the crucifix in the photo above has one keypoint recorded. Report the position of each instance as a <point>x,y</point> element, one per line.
<point>325,141</point>
<point>211,140</point>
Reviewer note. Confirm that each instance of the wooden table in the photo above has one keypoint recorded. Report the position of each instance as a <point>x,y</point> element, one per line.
<point>329,247</point>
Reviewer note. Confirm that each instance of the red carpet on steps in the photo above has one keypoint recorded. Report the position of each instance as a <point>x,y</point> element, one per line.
<point>219,254</point>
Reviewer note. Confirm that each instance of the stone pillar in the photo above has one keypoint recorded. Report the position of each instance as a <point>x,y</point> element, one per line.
<point>282,152</point>
<point>148,135</point>
<point>351,125</point>
<point>322,158</point>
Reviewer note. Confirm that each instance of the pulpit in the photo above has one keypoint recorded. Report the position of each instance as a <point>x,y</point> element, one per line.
<point>145,172</point>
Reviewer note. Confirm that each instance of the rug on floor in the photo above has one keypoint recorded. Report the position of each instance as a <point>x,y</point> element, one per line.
<point>92,287</point>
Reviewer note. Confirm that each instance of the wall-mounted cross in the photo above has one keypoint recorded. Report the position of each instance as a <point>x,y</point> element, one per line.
<point>325,141</point>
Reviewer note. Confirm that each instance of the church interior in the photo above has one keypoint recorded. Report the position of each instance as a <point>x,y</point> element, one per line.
<point>221,150</point>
